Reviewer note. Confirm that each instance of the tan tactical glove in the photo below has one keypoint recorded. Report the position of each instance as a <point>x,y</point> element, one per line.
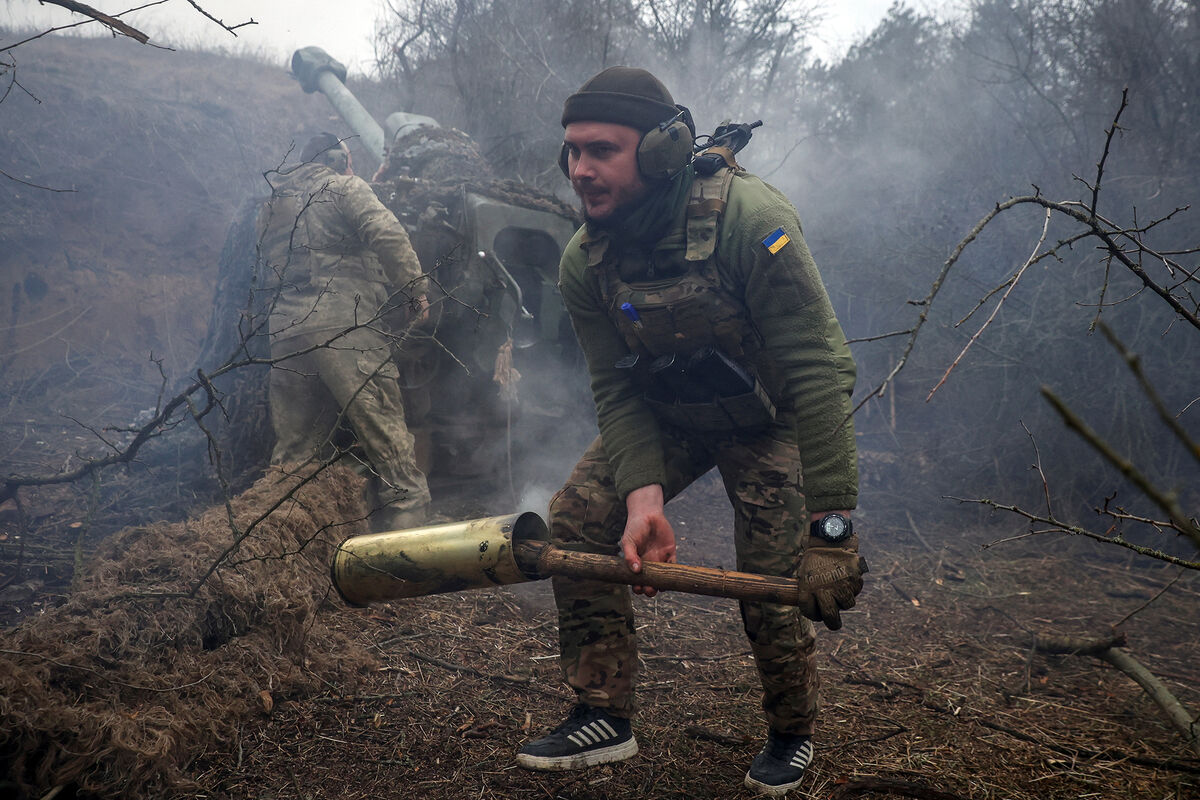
<point>830,578</point>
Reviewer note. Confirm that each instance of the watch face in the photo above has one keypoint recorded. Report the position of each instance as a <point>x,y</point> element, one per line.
<point>833,527</point>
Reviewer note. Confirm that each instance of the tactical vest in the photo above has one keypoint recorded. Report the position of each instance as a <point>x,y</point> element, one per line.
<point>692,341</point>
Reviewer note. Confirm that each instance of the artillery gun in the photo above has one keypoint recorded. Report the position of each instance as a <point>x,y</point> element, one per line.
<point>491,247</point>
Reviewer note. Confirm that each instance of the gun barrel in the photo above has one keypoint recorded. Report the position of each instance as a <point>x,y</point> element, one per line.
<point>317,71</point>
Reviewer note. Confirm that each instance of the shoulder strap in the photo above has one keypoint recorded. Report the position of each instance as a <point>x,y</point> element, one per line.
<point>706,204</point>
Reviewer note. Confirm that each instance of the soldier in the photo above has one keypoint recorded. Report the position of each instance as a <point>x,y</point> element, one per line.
<point>710,341</point>
<point>338,258</point>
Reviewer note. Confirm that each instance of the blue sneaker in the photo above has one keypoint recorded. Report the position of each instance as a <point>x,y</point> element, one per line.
<point>587,737</point>
<point>781,764</point>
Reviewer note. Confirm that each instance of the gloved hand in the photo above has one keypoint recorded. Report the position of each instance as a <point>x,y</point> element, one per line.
<point>830,578</point>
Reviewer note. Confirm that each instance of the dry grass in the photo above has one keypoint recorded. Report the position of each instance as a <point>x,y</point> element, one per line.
<point>156,655</point>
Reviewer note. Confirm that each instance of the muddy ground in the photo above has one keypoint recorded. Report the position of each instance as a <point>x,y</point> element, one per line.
<point>931,683</point>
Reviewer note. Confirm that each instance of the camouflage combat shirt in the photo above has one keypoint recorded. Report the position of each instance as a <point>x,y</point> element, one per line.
<point>804,348</point>
<point>333,250</point>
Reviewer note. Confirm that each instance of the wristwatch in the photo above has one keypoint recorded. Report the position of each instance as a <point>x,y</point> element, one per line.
<point>833,528</point>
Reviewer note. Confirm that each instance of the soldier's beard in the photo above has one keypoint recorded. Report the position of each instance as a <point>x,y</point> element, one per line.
<point>614,219</point>
<point>641,220</point>
<point>617,201</point>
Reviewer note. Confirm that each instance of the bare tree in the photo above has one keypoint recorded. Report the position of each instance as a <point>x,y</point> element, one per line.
<point>724,57</point>
<point>1165,276</point>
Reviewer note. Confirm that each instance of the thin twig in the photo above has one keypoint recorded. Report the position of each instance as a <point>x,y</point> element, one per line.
<point>1075,530</point>
<point>1146,604</point>
<point>1134,362</point>
<point>1012,284</point>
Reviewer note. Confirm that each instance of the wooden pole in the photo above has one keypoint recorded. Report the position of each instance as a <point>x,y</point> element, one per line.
<point>548,560</point>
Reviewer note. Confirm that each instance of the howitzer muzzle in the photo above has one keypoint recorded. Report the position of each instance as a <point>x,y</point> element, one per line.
<point>318,71</point>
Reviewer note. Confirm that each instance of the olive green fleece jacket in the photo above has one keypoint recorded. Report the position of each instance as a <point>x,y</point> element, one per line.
<point>804,348</point>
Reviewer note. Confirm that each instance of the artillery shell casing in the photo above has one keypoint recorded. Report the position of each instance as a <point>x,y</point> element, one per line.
<point>434,559</point>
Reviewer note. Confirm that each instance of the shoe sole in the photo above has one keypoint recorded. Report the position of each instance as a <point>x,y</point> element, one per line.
<point>604,755</point>
<point>767,789</point>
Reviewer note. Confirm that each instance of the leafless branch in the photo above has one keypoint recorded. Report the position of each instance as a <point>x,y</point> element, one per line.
<point>1106,648</point>
<point>1134,362</point>
<point>1122,245</point>
<point>115,24</point>
<point>1075,530</point>
<point>231,28</point>
<point>1108,137</point>
<point>1167,501</point>
<point>1012,284</point>
<point>111,22</point>
<point>34,185</point>
<point>1179,716</point>
<point>1147,604</point>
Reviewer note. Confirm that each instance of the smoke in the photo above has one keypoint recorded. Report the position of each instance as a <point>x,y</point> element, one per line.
<point>537,499</point>
<point>891,155</point>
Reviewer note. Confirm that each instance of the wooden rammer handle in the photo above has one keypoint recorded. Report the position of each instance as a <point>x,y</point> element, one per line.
<point>549,560</point>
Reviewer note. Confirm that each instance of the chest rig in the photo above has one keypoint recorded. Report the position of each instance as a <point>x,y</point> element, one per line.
<point>691,340</point>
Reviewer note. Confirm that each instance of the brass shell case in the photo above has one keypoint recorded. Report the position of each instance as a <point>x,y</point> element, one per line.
<point>448,557</point>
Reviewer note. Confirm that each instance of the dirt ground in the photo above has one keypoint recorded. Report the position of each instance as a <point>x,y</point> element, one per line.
<point>931,685</point>
<point>931,688</point>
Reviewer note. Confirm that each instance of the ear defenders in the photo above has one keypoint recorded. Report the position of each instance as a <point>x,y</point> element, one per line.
<point>336,158</point>
<point>663,151</point>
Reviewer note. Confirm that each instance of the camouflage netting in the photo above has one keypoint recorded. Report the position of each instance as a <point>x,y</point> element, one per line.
<point>120,687</point>
<point>431,153</point>
<point>407,197</point>
<point>431,166</point>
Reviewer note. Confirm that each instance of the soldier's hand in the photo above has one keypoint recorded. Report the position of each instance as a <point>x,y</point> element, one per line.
<point>648,535</point>
<point>422,310</point>
<point>830,578</point>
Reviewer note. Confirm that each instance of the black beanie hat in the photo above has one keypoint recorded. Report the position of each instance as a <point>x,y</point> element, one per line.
<point>624,95</point>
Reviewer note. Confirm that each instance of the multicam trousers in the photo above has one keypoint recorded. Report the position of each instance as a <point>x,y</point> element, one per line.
<point>761,474</point>
<point>350,383</point>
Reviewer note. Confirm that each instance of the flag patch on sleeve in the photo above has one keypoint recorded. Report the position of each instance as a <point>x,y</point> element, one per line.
<point>775,242</point>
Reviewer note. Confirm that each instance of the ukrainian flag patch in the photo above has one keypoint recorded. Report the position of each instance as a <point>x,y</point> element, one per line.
<point>775,242</point>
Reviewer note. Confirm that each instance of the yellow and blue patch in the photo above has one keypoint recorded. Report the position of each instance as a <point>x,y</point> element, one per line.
<point>775,242</point>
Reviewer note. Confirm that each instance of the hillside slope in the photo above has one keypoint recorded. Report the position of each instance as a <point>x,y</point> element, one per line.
<point>155,150</point>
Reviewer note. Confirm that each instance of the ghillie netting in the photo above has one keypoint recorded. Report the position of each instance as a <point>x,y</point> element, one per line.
<point>172,634</point>
<point>431,167</point>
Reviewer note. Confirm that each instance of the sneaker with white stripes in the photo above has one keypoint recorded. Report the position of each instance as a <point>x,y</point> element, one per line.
<point>781,764</point>
<point>587,737</point>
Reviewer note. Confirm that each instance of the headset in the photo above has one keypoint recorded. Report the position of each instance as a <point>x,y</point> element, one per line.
<point>327,149</point>
<point>663,151</point>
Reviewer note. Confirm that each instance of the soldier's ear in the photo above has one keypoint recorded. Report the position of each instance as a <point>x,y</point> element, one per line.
<point>337,159</point>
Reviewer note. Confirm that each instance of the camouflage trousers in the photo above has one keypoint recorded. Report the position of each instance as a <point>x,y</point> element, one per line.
<point>350,384</point>
<point>597,636</point>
